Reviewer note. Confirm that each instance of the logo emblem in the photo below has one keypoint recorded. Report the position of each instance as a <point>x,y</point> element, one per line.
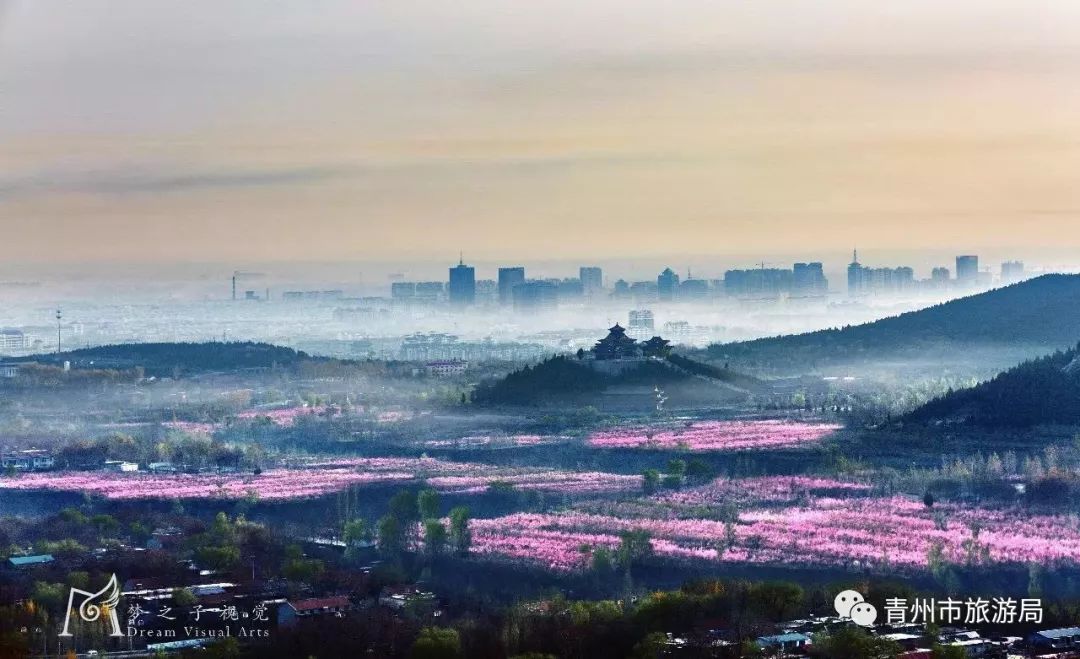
<point>94,606</point>
<point>852,605</point>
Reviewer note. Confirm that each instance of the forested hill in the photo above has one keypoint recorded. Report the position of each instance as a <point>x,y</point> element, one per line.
<point>1042,313</point>
<point>563,378</point>
<point>165,359</point>
<point>1040,391</point>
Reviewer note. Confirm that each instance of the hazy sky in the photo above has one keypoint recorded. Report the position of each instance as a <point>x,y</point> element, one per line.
<point>198,130</point>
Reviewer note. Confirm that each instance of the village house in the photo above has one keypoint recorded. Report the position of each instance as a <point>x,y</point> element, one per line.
<point>336,606</point>
<point>1065,638</point>
<point>26,562</point>
<point>28,460</point>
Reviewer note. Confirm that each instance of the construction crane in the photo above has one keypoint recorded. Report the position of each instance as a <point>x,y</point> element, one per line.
<point>239,274</point>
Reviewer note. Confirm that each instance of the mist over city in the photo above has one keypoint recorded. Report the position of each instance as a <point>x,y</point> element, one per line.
<point>562,330</point>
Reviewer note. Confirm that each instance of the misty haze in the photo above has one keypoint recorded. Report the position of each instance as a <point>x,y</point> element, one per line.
<point>559,330</point>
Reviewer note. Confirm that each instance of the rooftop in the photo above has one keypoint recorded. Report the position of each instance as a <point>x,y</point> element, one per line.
<point>338,602</point>
<point>1063,632</point>
<point>40,559</point>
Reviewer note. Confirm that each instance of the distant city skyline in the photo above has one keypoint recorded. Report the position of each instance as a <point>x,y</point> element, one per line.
<point>139,131</point>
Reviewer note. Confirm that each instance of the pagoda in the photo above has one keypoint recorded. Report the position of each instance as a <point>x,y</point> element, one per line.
<point>656,347</point>
<point>616,345</point>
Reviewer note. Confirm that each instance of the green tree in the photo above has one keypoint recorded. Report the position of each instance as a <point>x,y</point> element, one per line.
<point>676,467</point>
<point>217,558</point>
<point>391,534</point>
<point>404,507</point>
<point>49,595</point>
<point>354,534</point>
<point>222,530</point>
<point>435,538</point>
<point>436,643</point>
<point>634,547</point>
<point>226,648</point>
<point>78,579</point>
<point>650,647</point>
<point>428,503</point>
<point>698,470</point>
<point>650,481</point>
<point>106,525</point>
<point>602,563</point>
<point>855,643</point>
<point>460,535</point>
<point>948,652</point>
<point>184,597</point>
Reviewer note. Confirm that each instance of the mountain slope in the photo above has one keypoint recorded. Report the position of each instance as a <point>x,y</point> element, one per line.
<point>1040,391</point>
<point>1040,315</point>
<point>562,378</point>
<point>171,358</point>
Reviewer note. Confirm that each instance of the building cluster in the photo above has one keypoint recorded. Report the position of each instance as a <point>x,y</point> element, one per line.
<point>27,460</point>
<point>797,638</point>
<point>512,289</point>
<point>802,281</point>
<point>864,280</point>
<point>447,348</point>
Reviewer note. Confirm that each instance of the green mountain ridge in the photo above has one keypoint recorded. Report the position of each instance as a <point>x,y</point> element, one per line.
<point>1040,391</point>
<point>1039,315</point>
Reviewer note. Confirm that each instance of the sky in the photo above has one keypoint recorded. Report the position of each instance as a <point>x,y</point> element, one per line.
<point>179,131</point>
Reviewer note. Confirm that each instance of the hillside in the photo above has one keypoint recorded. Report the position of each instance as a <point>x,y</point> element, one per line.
<point>1035,316</point>
<point>165,359</point>
<point>564,378</point>
<point>1040,391</point>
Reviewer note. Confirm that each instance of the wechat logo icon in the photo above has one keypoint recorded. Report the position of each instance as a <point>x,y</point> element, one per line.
<point>851,604</point>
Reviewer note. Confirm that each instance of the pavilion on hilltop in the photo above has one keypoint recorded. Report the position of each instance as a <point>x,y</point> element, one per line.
<point>656,347</point>
<point>616,345</point>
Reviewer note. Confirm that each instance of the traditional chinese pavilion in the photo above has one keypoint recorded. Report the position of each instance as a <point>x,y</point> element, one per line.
<point>616,345</point>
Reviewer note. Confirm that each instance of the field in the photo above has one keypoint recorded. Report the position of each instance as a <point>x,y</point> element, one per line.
<point>804,522</point>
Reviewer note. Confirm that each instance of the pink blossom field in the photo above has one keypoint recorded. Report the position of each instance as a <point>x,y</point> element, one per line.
<point>565,482</point>
<point>320,478</point>
<point>192,427</point>
<point>702,500</point>
<point>494,440</point>
<point>718,436</point>
<point>271,485</point>
<point>868,532</point>
<point>284,417</point>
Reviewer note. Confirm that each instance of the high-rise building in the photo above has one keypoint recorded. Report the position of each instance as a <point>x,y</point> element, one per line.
<point>1012,271</point>
<point>592,280</point>
<point>462,286</point>
<point>508,279</point>
<point>863,280</point>
<point>430,291</point>
<point>667,285</point>
<point>535,296</point>
<point>621,290</point>
<point>570,289</point>
<point>12,340</point>
<point>808,280</point>
<point>403,290</point>
<point>757,283</point>
<point>487,291</point>
<point>644,291</point>
<point>694,289</point>
<point>940,276</point>
<point>855,278</point>
<point>641,320</point>
<point>967,269</point>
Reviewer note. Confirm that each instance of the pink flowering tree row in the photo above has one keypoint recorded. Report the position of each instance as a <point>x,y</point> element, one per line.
<point>717,436</point>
